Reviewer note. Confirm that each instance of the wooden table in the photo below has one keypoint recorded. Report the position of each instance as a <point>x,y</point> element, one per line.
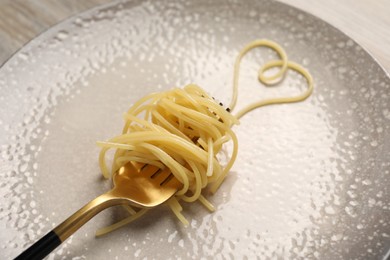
<point>367,22</point>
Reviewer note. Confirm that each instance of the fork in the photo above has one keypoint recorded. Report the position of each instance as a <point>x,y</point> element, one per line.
<point>135,184</point>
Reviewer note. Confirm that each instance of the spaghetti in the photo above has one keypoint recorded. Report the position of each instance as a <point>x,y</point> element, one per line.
<point>184,130</point>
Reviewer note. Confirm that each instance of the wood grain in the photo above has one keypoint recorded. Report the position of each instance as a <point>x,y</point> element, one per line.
<point>367,22</point>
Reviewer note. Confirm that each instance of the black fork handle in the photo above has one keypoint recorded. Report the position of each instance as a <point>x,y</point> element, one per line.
<point>41,248</point>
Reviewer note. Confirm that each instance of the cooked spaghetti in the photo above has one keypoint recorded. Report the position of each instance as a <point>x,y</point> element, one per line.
<point>185,129</point>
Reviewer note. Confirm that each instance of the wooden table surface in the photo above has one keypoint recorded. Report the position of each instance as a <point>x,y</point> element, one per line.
<point>367,22</point>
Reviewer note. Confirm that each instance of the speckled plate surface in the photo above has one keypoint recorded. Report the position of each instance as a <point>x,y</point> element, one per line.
<point>311,180</point>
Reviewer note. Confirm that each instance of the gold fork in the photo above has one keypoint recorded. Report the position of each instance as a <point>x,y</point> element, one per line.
<point>135,184</point>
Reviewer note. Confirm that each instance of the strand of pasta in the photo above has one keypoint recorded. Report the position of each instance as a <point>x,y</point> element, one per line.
<point>283,64</point>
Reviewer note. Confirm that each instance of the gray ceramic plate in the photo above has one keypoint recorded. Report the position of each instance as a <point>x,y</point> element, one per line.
<point>311,180</point>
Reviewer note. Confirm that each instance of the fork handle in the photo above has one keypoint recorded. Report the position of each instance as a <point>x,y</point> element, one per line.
<point>42,247</point>
<point>54,238</point>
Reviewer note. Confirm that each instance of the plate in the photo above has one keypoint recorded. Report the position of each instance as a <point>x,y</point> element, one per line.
<point>311,179</point>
